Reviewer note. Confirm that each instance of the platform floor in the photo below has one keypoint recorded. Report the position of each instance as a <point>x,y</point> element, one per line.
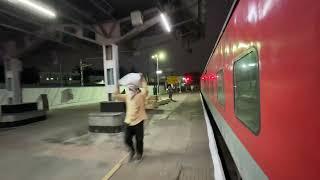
<point>176,147</point>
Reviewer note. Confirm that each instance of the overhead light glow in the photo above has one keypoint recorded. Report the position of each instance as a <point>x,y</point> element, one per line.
<point>227,50</point>
<point>35,6</point>
<point>159,72</point>
<point>162,55</point>
<point>243,45</point>
<point>165,22</point>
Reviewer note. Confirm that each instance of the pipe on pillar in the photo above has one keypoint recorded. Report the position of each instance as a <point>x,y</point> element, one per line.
<point>13,68</point>
<point>111,68</point>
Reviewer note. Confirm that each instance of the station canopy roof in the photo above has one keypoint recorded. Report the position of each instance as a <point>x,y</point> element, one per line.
<point>187,18</point>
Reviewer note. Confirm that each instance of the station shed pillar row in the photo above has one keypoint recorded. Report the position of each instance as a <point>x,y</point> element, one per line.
<point>13,68</point>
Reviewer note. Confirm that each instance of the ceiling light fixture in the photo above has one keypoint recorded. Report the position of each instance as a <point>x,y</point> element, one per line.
<point>159,72</point>
<point>165,22</point>
<point>35,6</point>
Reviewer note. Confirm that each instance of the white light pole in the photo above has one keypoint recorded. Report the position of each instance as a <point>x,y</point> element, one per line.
<point>81,72</point>
<point>161,55</point>
<point>158,56</point>
<point>158,82</point>
<point>157,71</point>
<point>82,65</point>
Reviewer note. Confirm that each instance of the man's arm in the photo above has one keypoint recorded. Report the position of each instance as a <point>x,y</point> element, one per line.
<point>144,89</point>
<point>118,96</point>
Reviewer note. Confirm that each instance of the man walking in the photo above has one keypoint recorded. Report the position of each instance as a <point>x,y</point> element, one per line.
<point>170,92</point>
<point>135,116</point>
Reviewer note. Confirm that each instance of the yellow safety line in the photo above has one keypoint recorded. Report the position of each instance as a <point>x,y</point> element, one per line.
<point>115,168</point>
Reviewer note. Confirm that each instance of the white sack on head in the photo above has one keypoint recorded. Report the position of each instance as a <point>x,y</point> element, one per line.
<point>131,79</point>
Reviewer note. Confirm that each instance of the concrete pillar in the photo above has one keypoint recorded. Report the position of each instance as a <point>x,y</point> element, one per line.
<point>111,68</point>
<point>13,68</point>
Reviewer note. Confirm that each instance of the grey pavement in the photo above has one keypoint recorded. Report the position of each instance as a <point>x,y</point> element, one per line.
<point>176,146</point>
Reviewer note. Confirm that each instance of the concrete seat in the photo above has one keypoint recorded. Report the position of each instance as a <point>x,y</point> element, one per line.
<point>106,122</point>
<point>18,119</point>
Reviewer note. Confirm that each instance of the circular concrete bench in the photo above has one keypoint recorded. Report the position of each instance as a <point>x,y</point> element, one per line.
<point>106,122</point>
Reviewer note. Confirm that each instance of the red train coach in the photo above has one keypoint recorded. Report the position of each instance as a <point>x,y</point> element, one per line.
<point>261,85</point>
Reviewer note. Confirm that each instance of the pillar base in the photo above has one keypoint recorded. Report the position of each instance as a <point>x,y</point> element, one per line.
<point>112,106</point>
<point>106,122</point>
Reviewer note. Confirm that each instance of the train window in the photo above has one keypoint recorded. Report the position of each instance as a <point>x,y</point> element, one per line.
<point>246,90</point>
<point>220,92</point>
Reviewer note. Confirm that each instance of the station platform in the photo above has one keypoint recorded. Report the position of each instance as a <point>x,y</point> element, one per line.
<point>176,147</point>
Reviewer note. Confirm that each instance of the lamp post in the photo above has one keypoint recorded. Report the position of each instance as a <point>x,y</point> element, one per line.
<point>161,55</point>
<point>82,66</point>
<point>158,72</point>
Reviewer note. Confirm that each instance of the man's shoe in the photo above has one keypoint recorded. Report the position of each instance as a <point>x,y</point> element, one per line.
<point>131,156</point>
<point>139,158</point>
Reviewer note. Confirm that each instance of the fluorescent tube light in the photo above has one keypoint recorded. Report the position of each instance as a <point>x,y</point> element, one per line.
<point>35,6</point>
<point>165,22</point>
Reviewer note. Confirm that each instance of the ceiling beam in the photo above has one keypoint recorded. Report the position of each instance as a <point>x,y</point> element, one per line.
<point>135,31</point>
<point>100,40</point>
<point>79,11</point>
<point>170,12</point>
<point>95,4</point>
<point>83,14</point>
<point>41,36</point>
<point>28,20</point>
<point>145,13</point>
<point>184,22</point>
<point>43,25</point>
<point>58,28</point>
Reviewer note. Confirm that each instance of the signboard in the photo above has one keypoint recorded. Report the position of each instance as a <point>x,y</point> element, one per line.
<point>172,79</point>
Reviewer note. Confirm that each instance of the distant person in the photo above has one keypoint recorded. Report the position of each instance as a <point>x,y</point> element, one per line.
<point>154,90</point>
<point>135,116</point>
<point>170,92</point>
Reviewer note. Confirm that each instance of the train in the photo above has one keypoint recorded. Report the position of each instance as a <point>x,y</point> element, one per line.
<point>261,87</point>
